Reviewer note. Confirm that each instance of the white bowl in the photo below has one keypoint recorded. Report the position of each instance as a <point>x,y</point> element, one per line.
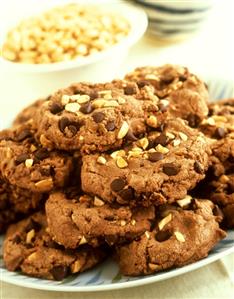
<point>38,80</point>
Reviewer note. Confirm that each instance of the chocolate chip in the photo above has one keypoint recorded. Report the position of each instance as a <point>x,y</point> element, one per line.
<point>110,126</point>
<point>129,90</point>
<point>86,108</point>
<point>130,136</point>
<point>33,225</point>
<point>161,139</point>
<point>56,108</point>
<point>47,171</point>
<point>63,123</point>
<point>182,78</point>
<point>21,158</point>
<point>170,169</point>
<point>117,184</point>
<point>52,244</point>
<point>197,167</point>
<point>193,120</point>
<point>167,79</point>
<point>16,239</point>
<point>23,135</point>
<point>220,133</point>
<point>98,117</point>
<point>162,236</point>
<point>93,95</point>
<point>72,129</point>
<point>71,126</point>
<point>126,194</point>
<point>41,154</point>
<point>154,157</point>
<point>59,272</point>
<point>141,84</point>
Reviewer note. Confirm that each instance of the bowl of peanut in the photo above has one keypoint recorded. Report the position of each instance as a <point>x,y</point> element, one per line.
<point>79,41</point>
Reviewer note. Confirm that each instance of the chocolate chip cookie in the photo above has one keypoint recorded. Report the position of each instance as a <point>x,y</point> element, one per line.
<point>26,164</point>
<point>73,222</point>
<point>181,236</point>
<point>186,93</point>
<point>16,203</point>
<point>29,248</point>
<point>158,168</point>
<point>98,117</point>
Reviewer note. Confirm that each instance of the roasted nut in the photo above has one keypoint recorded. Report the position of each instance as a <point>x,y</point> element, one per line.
<point>72,107</point>
<point>101,160</point>
<point>143,142</point>
<point>28,163</point>
<point>98,202</point>
<point>65,99</point>
<point>176,142</point>
<point>162,149</point>
<point>183,136</point>
<point>164,221</point>
<point>121,163</point>
<point>152,121</point>
<point>83,240</point>
<point>123,222</point>
<point>76,266</point>
<point>179,236</point>
<point>30,235</point>
<point>147,234</point>
<point>46,184</point>
<point>123,130</point>
<point>185,201</point>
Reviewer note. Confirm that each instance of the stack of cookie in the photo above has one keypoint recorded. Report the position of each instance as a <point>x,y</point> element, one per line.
<point>140,168</point>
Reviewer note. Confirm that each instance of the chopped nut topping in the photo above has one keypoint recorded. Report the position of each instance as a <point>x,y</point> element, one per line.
<point>152,150</point>
<point>209,121</point>
<point>121,163</point>
<point>84,98</point>
<point>32,257</point>
<point>101,160</point>
<point>162,149</point>
<point>123,222</point>
<point>143,142</point>
<point>164,102</point>
<point>65,99</point>
<point>115,154</point>
<point>183,136</point>
<point>83,241</point>
<point>152,121</point>
<point>133,222</point>
<point>123,130</point>
<point>72,107</point>
<point>99,103</point>
<point>30,235</point>
<point>98,202</point>
<point>170,135</point>
<point>28,163</point>
<point>111,103</point>
<point>164,221</point>
<point>45,184</point>
<point>152,77</point>
<point>179,237</point>
<point>8,152</point>
<point>33,148</point>
<point>76,266</point>
<point>219,118</point>
<point>185,201</point>
<point>176,142</point>
<point>74,97</point>
<point>147,234</point>
<point>121,100</point>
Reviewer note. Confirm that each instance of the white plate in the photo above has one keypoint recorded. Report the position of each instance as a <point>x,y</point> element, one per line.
<point>107,276</point>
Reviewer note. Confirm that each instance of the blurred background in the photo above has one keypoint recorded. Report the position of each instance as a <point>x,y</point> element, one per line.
<point>197,34</point>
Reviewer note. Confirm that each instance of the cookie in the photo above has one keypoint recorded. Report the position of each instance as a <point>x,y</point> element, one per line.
<point>16,203</point>
<point>98,117</point>
<point>26,164</point>
<point>181,236</point>
<point>28,113</point>
<point>186,93</point>
<point>89,220</point>
<point>29,248</point>
<point>160,167</point>
<point>220,122</point>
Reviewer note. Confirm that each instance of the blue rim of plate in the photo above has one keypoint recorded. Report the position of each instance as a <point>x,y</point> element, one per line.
<point>107,276</point>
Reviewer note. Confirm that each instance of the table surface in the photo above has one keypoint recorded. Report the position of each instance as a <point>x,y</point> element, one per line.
<point>209,52</point>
